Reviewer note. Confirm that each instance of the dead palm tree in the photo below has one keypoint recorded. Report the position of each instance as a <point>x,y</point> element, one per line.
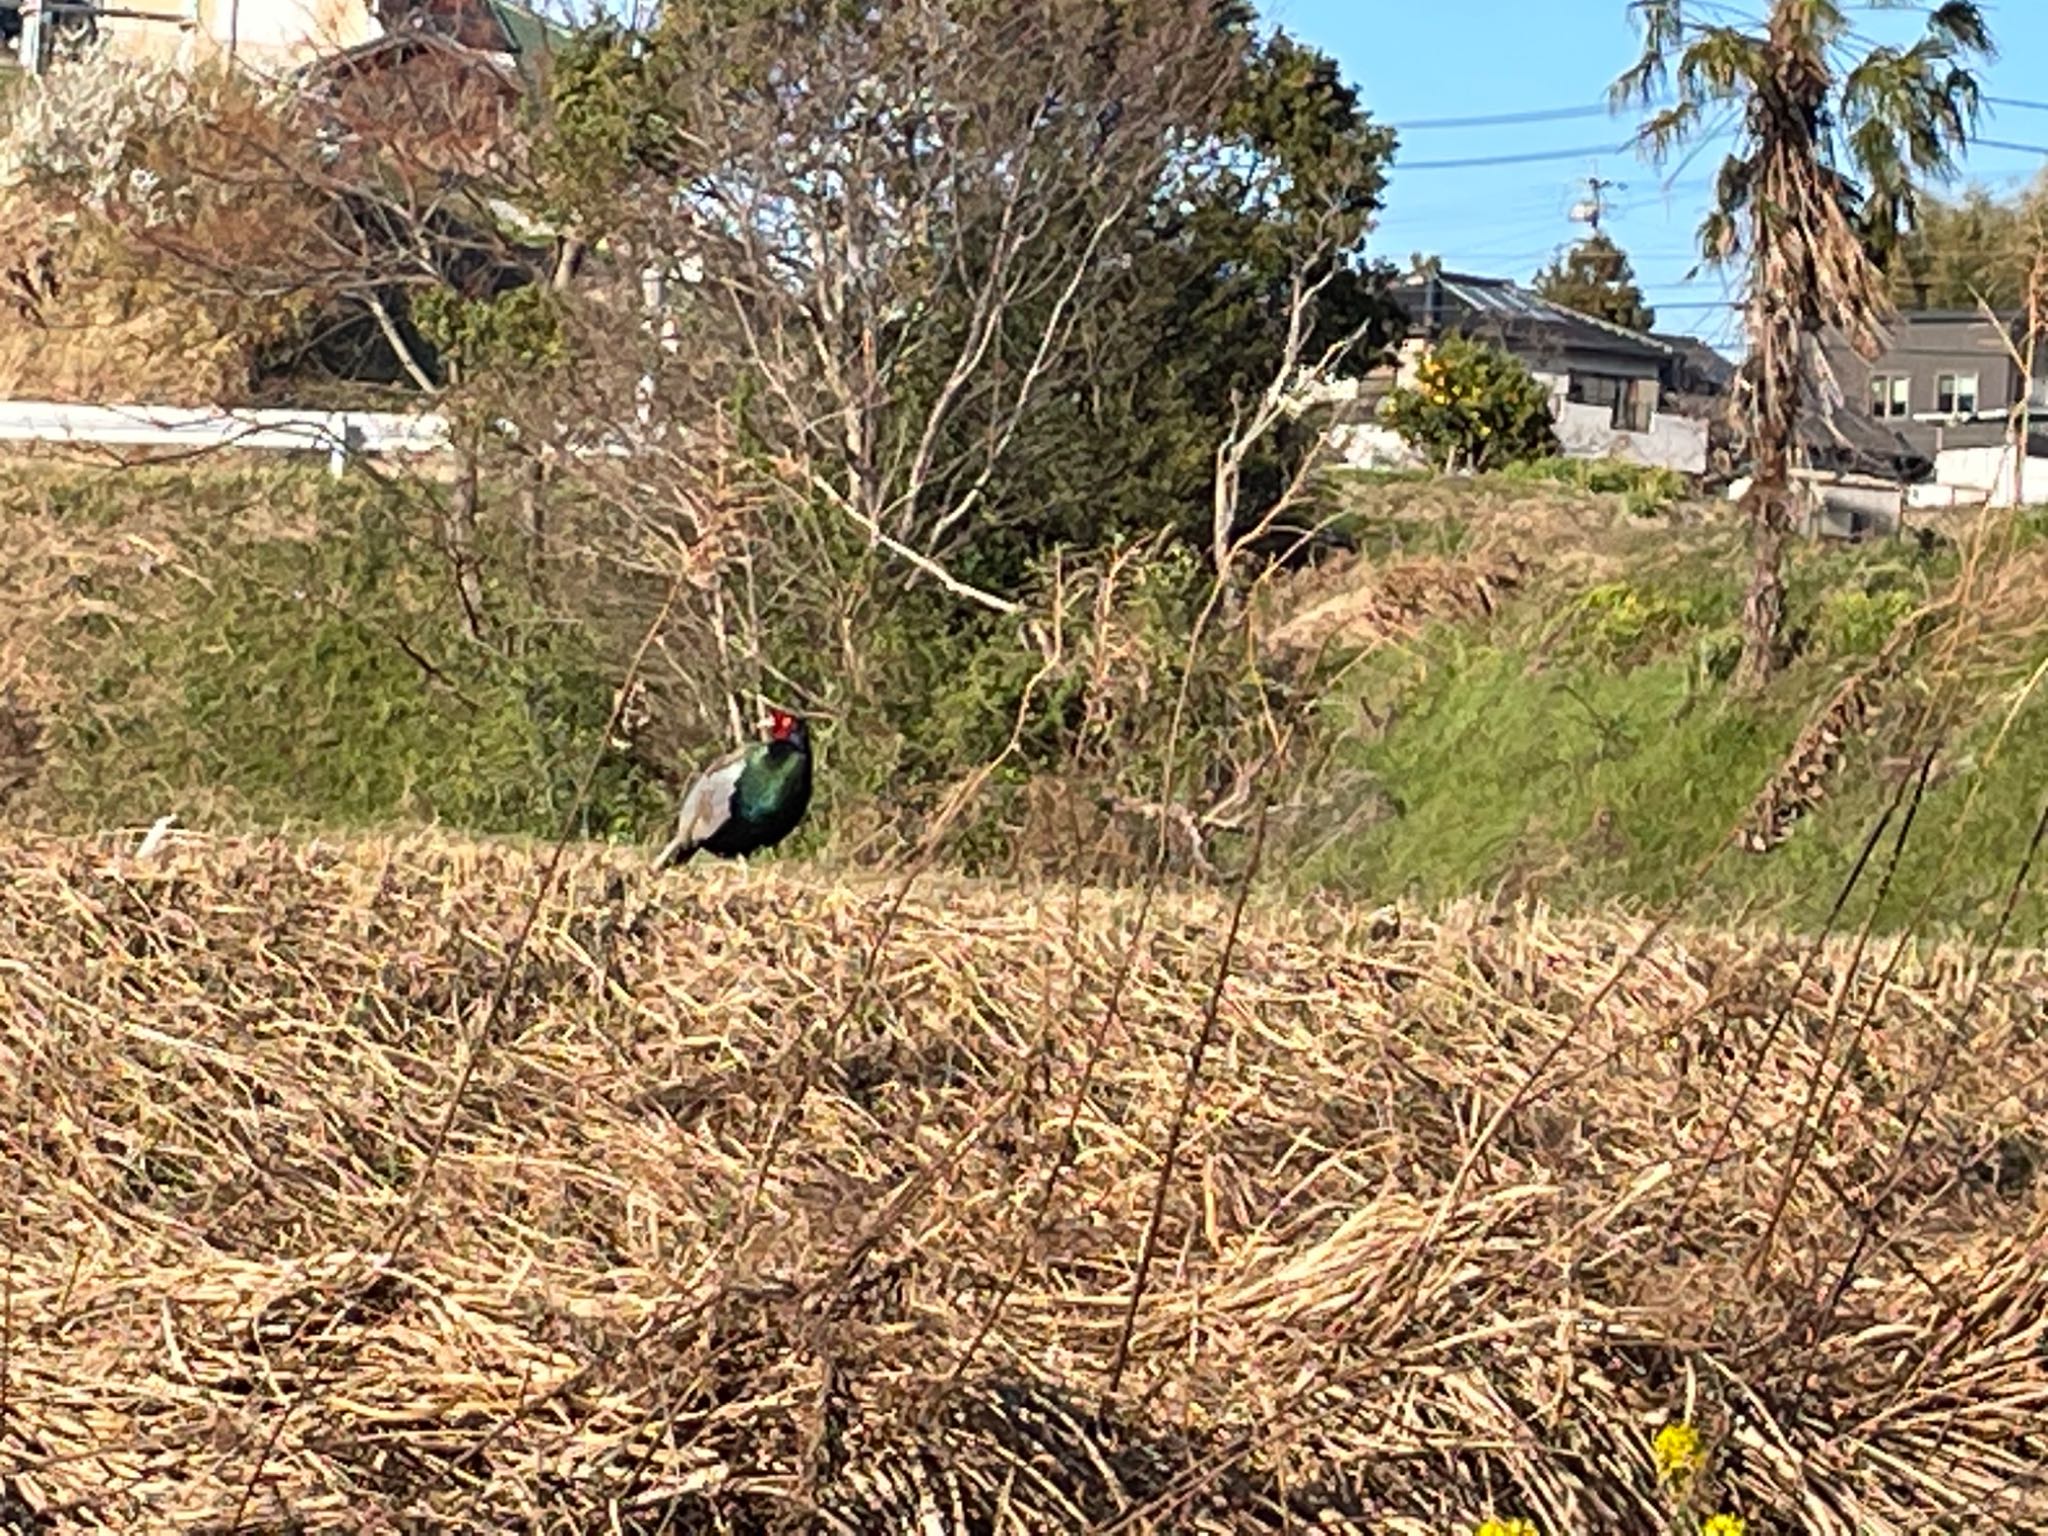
<point>1835,134</point>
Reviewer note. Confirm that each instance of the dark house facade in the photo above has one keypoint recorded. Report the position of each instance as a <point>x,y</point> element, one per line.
<point>1694,372</point>
<point>1945,379</point>
<point>1602,364</point>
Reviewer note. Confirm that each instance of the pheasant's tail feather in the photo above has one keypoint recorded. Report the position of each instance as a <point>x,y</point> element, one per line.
<point>679,851</point>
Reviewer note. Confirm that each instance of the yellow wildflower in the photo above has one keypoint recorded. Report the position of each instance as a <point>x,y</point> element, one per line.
<point>1677,1452</point>
<point>1506,1528</point>
<point>1724,1525</point>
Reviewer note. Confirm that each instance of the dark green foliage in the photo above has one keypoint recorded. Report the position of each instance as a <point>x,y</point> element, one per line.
<point>1594,277</point>
<point>1180,318</point>
<point>1293,110</point>
<point>605,110</point>
<point>1192,325</point>
<point>516,332</point>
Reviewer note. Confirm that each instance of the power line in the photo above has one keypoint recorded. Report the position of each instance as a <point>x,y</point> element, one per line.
<point>2024,149</point>
<point>1569,114</point>
<point>1481,162</point>
<point>1477,161</point>
<point>1504,119</point>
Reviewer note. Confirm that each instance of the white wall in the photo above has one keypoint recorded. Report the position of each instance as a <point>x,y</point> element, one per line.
<point>1365,445</point>
<point>1584,431</point>
<point>189,429</point>
<point>267,34</point>
<point>1673,442</point>
<point>1928,494</point>
<point>1986,474</point>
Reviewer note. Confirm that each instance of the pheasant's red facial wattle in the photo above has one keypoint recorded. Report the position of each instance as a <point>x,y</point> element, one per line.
<point>779,725</point>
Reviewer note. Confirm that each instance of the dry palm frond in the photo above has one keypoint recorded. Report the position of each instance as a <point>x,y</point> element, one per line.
<point>1802,779</point>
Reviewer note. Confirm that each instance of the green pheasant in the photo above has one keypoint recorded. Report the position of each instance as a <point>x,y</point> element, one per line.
<point>748,800</point>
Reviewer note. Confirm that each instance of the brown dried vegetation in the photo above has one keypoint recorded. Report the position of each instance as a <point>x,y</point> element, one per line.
<point>714,1217</point>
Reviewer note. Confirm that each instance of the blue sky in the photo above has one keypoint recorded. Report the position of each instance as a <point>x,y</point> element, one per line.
<point>1485,58</point>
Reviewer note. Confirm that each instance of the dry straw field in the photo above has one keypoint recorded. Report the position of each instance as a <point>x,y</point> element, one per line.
<point>742,1203</point>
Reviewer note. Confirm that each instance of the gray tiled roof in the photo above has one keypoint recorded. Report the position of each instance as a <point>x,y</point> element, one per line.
<point>1463,302</point>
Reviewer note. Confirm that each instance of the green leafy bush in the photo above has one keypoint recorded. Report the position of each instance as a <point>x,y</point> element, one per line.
<point>1646,490</point>
<point>1854,622</point>
<point>1472,407</point>
<point>520,328</point>
<point>1619,624</point>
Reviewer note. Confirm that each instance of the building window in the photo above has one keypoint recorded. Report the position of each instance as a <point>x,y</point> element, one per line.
<point>1629,402</point>
<point>1955,394</point>
<point>2037,393</point>
<point>1890,395</point>
<point>1633,410</point>
<point>1593,389</point>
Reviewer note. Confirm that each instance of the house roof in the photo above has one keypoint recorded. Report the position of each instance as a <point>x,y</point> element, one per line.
<point>498,31</point>
<point>1704,360</point>
<point>1849,439</point>
<point>396,47</point>
<point>531,33</point>
<point>1462,301</point>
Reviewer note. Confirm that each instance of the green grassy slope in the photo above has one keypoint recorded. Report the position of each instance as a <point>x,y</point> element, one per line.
<point>269,648</point>
<point>1581,744</point>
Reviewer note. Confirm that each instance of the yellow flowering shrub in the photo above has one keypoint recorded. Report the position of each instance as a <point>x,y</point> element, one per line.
<point>1472,407</point>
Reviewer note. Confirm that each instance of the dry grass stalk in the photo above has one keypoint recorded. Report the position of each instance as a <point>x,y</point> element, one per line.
<point>227,1063</point>
<point>1398,600</point>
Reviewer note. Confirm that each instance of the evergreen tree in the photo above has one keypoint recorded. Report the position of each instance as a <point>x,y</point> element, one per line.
<point>1595,278</point>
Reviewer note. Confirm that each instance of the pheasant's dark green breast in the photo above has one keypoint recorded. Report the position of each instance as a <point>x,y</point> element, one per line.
<point>773,792</point>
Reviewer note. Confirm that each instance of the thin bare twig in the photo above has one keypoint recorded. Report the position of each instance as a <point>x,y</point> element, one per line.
<point>1190,1084</point>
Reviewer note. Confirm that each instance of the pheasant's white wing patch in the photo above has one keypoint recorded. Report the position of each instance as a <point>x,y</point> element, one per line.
<point>705,809</point>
